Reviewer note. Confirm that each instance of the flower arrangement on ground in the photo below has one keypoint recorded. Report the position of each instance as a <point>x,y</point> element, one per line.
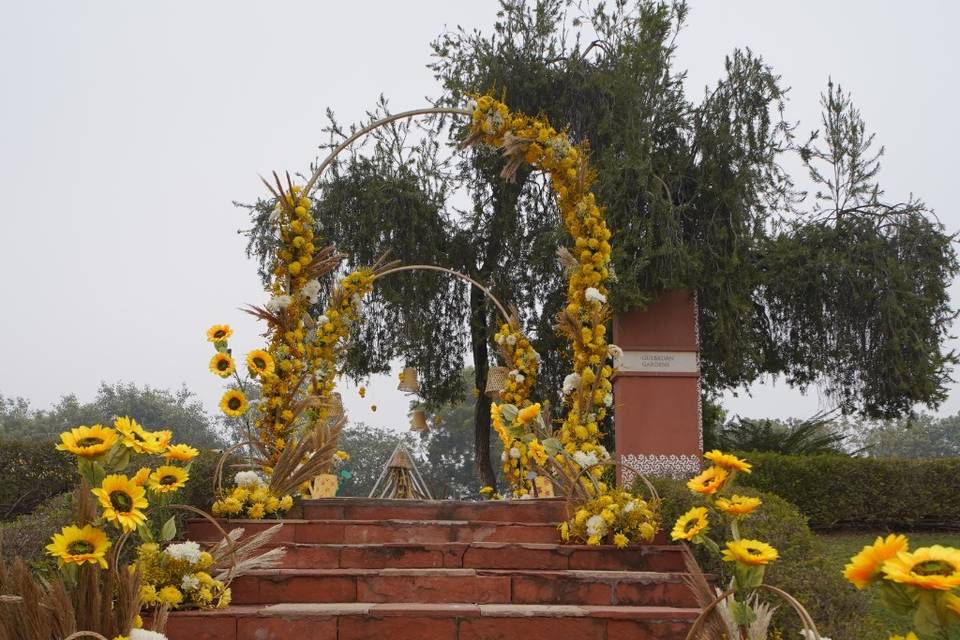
<point>923,583</point>
<point>738,612</point>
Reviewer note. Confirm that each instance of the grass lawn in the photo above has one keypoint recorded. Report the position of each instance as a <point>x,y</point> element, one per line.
<point>840,547</point>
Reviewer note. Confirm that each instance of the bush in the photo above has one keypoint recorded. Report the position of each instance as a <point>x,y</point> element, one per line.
<point>33,472</point>
<point>837,492</point>
<point>27,536</point>
<point>803,569</point>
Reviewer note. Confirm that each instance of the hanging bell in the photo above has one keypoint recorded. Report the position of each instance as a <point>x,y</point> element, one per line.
<point>408,381</point>
<point>418,421</point>
<point>496,381</point>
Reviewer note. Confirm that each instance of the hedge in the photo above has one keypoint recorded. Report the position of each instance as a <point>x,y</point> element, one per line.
<point>843,492</point>
<point>33,472</point>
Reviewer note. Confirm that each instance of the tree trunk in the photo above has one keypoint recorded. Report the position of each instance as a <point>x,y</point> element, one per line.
<point>481,364</point>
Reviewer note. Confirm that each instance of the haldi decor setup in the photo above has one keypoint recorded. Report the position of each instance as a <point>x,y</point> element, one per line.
<point>923,583</point>
<point>738,611</point>
<point>129,478</point>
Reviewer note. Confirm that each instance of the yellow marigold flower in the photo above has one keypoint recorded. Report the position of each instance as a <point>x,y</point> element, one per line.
<point>528,413</point>
<point>564,531</point>
<point>691,524</point>
<point>867,565</point>
<point>259,361</point>
<point>122,501</point>
<point>168,478</point>
<point>141,476</point>
<point>286,502</point>
<point>148,594</point>
<point>219,332</point>
<point>710,481</point>
<point>222,365</point>
<point>256,511</point>
<point>181,453</point>
<point>170,595</point>
<point>76,545</point>
<point>750,552</point>
<point>538,452</point>
<point>136,438</point>
<point>620,541</point>
<point>935,567</point>
<point>737,505</point>
<point>234,403</point>
<point>728,461</point>
<point>88,442</point>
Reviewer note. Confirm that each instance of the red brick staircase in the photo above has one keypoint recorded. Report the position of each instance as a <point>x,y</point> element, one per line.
<point>397,570</point>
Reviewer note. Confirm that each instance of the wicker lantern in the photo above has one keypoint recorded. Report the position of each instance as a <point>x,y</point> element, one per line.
<point>418,421</point>
<point>496,381</point>
<point>408,381</point>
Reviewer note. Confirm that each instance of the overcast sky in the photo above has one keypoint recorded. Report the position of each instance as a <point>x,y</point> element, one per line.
<point>127,128</point>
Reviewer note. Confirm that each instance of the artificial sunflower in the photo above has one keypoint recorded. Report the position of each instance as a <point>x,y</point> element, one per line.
<point>141,476</point>
<point>222,364</point>
<point>750,552</point>
<point>691,524</point>
<point>710,481</point>
<point>163,438</point>
<point>259,361</point>
<point>181,453</point>
<point>88,442</point>
<point>528,413</point>
<point>75,545</point>
<point>168,478</point>
<point>935,567</point>
<point>234,403</point>
<point>219,332</point>
<point>122,501</point>
<point>728,461</point>
<point>136,437</point>
<point>867,565</point>
<point>737,505</point>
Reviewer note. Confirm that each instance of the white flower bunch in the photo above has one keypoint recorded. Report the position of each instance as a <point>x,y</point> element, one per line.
<point>189,551</point>
<point>278,303</point>
<point>615,353</point>
<point>585,459</point>
<point>311,291</point>
<point>571,383</point>
<point>592,294</point>
<point>144,634</point>
<point>249,479</point>
<point>190,582</point>
<point>596,526</point>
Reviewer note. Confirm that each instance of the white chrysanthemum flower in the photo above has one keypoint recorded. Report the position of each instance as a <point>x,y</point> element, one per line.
<point>616,354</point>
<point>248,478</point>
<point>278,303</point>
<point>189,551</point>
<point>592,294</point>
<point>585,459</point>
<point>602,454</point>
<point>630,506</point>
<point>322,320</point>
<point>311,291</point>
<point>190,582</point>
<point>596,526</point>
<point>145,634</point>
<point>520,377</point>
<point>571,383</point>
<point>608,400</point>
<point>511,340</point>
<point>514,453</point>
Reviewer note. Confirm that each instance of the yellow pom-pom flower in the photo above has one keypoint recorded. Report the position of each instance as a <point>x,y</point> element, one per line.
<point>222,365</point>
<point>168,478</point>
<point>750,552</point>
<point>122,501</point>
<point>234,403</point>
<point>76,545</point>
<point>219,332</point>
<point>88,442</point>
<point>936,568</point>
<point>867,565</point>
<point>170,595</point>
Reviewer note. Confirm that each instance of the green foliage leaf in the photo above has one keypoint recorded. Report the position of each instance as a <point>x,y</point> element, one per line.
<point>169,529</point>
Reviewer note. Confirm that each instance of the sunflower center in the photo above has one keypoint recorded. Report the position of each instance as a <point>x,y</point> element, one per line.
<point>222,365</point>
<point>934,568</point>
<point>91,441</point>
<point>220,334</point>
<point>690,526</point>
<point>80,547</point>
<point>168,480</point>
<point>121,501</point>
<point>754,551</point>
<point>260,363</point>
<point>234,403</point>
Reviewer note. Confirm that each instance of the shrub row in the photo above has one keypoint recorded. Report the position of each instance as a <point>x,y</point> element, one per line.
<point>841,492</point>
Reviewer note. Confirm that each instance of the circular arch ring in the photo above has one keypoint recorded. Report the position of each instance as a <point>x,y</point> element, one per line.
<point>457,274</point>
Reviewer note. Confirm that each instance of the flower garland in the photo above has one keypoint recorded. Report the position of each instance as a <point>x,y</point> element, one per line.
<point>587,391</point>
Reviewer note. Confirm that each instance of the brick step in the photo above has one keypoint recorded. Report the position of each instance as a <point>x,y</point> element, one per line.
<point>468,586</point>
<point>384,531</point>
<point>548,510</point>
<point>406,621</point>
<point>483,555</point>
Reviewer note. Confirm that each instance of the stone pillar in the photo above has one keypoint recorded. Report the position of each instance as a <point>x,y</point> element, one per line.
<point>657,391</point>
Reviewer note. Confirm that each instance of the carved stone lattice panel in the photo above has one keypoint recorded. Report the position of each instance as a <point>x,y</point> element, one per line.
<point>680,467</point>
